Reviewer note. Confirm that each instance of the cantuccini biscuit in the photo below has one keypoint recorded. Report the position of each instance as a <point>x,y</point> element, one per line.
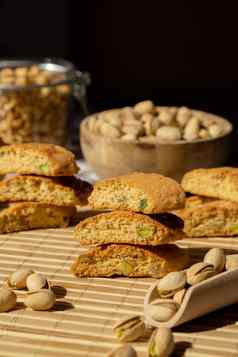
<point>62,191</point>
<point>139,192</point>
<point>194,201</point>
<point>218,218</point>
<point>130,261</point>
<point>38,159</point>
<point>219,183</point>
<point>130,227</point>
<point>31,215</point>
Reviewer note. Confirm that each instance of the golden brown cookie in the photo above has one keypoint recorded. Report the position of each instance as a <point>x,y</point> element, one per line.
<point>213,219</point>
<point>38,159</point>
<point>63,191</point>
<point>139,192</point>
<point>130,261</point>
<point>130,227</point>
<point>219,183</point>
<point>194,201</point>
<point>30,215</point>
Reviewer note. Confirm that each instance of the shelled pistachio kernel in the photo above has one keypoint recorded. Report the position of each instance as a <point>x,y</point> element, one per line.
<point>161,343</point>
<point>40,300</point>
<point>36,282</point>
<point>123,351</point>
<point>129,328</point>
<point>217,258</point>
<point>8,299</point>
<point>199,272</point>
<point>171,283</point>
<point>17,280</point>
<point>162,310</point>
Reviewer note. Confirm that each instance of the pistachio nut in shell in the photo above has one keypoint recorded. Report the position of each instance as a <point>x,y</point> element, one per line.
<point>161,310</point>
<point>217,258</point>
<point>8,299</point>
<point>231,261</point>
<point>161,343</point>
<point>171,283</point>
<point>36,281</point>
<point>123,351</point>
<point>40,300</point>
<point>129,328</point>
<point>199,272</point>
<point>179,296</point>
<point>17,280</point>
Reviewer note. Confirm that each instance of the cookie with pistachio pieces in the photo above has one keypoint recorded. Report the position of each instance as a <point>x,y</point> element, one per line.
<point>139,192</point>
<point>38,159</point>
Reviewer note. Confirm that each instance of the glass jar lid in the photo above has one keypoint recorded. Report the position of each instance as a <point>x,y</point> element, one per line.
<point>65,72</point>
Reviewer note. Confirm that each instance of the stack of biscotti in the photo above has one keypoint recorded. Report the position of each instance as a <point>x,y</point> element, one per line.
<point>212,211</point>
<point>133,238</point>
<point>43,191</point>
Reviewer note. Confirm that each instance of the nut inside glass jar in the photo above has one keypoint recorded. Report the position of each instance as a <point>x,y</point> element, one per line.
<point>34,98</point>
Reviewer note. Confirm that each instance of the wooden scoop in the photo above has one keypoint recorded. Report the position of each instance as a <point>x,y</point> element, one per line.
<point>200,299</point>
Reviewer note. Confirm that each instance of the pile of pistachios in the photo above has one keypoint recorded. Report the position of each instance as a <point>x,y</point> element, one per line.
<point>147,123</point>
<point>171,290</point>
<point>173,287</point>
<point>39,295</point>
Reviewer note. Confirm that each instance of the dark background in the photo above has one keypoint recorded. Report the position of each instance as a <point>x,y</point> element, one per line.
<point>173,52</point>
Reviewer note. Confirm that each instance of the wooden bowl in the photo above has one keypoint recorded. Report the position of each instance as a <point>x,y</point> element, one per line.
<point>112,157</point>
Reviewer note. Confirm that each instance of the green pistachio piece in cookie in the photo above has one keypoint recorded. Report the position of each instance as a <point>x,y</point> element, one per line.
<point>143,204</point>
<point>126,268</point>
<point>145,232</point>
<point>44,168</point>
<point>234,228</point>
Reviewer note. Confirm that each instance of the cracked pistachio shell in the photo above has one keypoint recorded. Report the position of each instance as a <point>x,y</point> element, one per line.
<point>171,283</point>
<point>161,343</point>
<point>179,296</point>
<point>8,299</point>
<point>199,272</point>
<point>162,310</point>
<point>217,258</point>
<point>36,282</point>
<point>123,351</point>
<point>129,329</point>
<point>17,280</point>
<point>231,261</point>
<point>40,300</point>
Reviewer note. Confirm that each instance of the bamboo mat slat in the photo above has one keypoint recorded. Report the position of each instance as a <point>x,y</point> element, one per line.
<point>81,323</point>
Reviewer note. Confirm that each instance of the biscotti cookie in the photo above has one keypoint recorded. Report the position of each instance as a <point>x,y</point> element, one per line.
<point>30,215</point>
<point>139,192</point>
<point>130,227</point>
<point>130,261</point>
<point>214,219</point>
<point>219,182</point>
<point>38,159</point>
<point>62,191</point>
<point>194,201</point>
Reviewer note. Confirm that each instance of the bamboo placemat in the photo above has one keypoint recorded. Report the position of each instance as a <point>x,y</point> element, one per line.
<point>81,323</point>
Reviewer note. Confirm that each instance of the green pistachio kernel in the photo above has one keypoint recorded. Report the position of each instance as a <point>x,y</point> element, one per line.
<point>119,332</point>
<point>152,350</point>
<point>143,204</point>
<point>234,228</point>
<point>145,232</point>
<point>44,168</point>
<point>126,268</point>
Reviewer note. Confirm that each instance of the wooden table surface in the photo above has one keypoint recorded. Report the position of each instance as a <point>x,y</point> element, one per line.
<point>81,323</point>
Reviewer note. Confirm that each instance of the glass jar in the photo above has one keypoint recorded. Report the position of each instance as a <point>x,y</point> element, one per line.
<point>35,97</point>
